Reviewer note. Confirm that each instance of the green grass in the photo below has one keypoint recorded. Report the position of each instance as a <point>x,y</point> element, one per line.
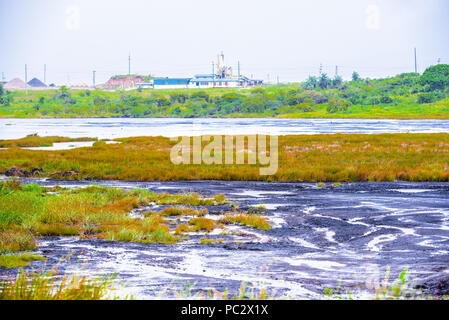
<point>395,97</point>
<point>45,286</point>
<point>400,288</point>
<point>27,211</point>
<point>18,260</point>
<point>94,212</point>
<point>34,140</point>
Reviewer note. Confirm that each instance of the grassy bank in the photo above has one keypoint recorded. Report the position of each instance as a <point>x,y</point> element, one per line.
<point>45,286</point>
<point>30,211</point>
<point>27,211</point>
<point>34,140</point>
<point>339,157</point>
<point>405,96</point>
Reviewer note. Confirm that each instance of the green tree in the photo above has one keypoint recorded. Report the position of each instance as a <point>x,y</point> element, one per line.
<point>311,83</point>
<point>437,77</point>
<point>337,81</point>
<point>355,77</point>
<point>324,81</point>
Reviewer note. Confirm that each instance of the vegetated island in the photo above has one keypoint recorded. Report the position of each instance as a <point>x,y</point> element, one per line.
<point>311,158</point>
<point>405,96</point>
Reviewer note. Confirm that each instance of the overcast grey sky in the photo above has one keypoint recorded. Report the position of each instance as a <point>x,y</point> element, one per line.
<point>285,38</point>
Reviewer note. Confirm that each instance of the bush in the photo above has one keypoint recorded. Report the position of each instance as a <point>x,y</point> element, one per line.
<point>437,77</point>
<point>337,105</point>
<point>428,97</point>
<point>304,107</point>
<point>386,100</point>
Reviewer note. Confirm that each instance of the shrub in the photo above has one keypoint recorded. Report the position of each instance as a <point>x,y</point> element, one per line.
<point>337,105</point>
<point>437,77</point>
<point>428,97</point>
<point>386,99</point>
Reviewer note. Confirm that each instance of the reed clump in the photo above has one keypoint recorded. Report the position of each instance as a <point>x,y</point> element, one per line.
<point>253,221</point>
<point>46,286</point>
<point>202,224</point>
<point>18,260</point>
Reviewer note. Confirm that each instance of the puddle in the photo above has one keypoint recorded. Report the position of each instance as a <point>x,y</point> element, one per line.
<point>68,145</point>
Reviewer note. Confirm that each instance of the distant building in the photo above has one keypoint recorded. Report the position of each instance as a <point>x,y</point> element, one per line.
<point>222,78</point>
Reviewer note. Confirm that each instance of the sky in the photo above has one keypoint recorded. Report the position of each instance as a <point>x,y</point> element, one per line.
<point>288,39</point>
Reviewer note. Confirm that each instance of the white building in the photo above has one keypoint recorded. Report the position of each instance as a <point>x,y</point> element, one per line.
<point>200,82</point>
<point>222,78</point>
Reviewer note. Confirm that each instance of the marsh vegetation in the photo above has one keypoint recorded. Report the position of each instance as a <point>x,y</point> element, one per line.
<point>315,158</point>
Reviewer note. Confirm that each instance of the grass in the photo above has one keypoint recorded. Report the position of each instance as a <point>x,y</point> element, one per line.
<point>315,158</point>
<point>247,291</point>
<point>34,140</point>
<point>156,233</point>
<point>253,221</point>
<point>15,238</point>
<point>44,286</point>
<point>18,260</point>
<point>182,211</point>
<point>401,288</point>
<point>283,101</point>
<point>94,212</point>
<point>202,224</point>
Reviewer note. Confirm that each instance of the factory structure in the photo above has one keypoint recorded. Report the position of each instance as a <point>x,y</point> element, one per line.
<point>221,77</point>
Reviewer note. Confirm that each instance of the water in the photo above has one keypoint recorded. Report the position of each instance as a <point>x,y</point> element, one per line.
<point>109,128</point>
<point>319,236</point>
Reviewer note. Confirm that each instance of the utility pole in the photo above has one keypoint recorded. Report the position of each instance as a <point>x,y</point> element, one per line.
<point>416,65</point>
<point>238,67</point>
<point>336,71</point>
<point>26,80</point>
<point>213,74</point>
<point>278,79</point>
<point>93,77</point>
<point>129,64</point>
<point>3,76</point>
<point>321,69</point>
<point>45,73</point>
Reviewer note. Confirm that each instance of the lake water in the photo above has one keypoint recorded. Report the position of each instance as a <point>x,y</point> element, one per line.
<point>108,128</point>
